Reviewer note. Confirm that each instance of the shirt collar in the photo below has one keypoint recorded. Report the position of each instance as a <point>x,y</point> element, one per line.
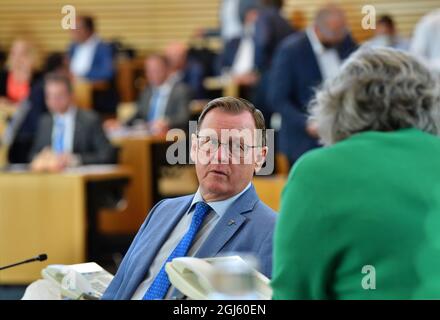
<point>70,113</point>
<point>91,41</point>
<point>177,76</point>
<point>164,87</point>
<point>317,46</point>
<point>219,207</point>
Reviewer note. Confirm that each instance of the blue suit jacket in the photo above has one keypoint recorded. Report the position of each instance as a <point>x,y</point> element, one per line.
<point>295,74</point>
<point>102,65</point>
<point>270,30</point>
<point>251,233</point>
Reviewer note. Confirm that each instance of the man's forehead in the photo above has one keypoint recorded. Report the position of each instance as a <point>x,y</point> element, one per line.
<point>218,119</point>
<point>227,131</point>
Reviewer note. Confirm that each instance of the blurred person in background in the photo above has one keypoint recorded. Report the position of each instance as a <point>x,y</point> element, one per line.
<point>23,126</point>
<point>425,43</point>
<point>248,57</point>
<point>90,57</point>
<point>386,35</point>
<point>164,103</point>
<point>302,61</point>
<point>91,60</point>
<point>359,218</point>
<point>185,69</point>
<point>68,136</point>
<point>20,89</point>
<point>20,73</point>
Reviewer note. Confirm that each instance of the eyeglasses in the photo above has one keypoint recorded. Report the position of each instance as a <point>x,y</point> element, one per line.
<point>210,145</point>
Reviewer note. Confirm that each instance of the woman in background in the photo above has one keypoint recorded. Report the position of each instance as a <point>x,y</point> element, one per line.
<point>360,218</point>
<point>16,79</point>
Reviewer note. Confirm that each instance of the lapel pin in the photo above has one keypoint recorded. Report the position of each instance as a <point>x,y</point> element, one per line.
<point>231,222</point>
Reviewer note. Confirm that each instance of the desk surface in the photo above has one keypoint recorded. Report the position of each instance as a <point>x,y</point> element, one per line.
<point>45,213</point>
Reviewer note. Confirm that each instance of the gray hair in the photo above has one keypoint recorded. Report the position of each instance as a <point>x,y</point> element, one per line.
<point>377,89</point>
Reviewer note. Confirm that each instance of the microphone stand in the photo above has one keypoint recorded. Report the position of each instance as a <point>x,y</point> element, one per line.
<point>41,257</point>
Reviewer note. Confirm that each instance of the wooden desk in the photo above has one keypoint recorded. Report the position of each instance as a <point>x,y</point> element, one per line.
<point>46,213</point>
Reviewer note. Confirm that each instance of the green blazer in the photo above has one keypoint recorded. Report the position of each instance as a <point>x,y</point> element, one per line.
<point>361,220</point>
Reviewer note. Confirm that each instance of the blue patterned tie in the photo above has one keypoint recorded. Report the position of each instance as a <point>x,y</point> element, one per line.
<point>161,283</point>
<point>58,146</point>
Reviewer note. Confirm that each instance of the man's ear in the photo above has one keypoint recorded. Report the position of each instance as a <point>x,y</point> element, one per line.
<point>193,153</point>
<point>260,157</point>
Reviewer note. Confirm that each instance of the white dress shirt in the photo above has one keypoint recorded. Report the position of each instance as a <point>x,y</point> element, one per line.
<point>231,26</point>
<point>328,59</point>
<point>218,210</point>
<point>426,41</point>
<point>68,119</point>
<point>245,57</point>
<point>83,55</point>
<point>164,92</point>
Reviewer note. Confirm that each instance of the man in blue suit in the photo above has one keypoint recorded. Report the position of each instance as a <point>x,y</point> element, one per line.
<point>302,61</point>
<point>224,216</point>
<point>91,59</point>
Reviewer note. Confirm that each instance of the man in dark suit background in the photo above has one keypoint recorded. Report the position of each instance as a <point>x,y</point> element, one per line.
<point>301,63</point>
<point>249,57</point>
<point>74,135</point>
<point>164,103</point>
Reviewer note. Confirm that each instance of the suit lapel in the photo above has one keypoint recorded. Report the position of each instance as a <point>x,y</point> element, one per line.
<point>77,132</point>
<point>313,66</point>
<point>49,129</point>
<point>228,224</point>
<point>149,245</point>
<point>171,102</point>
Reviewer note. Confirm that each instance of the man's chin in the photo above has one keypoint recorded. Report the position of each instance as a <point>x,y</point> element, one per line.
<point>215,189</point>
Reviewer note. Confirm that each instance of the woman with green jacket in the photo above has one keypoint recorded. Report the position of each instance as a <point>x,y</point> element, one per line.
<point>360,218</point>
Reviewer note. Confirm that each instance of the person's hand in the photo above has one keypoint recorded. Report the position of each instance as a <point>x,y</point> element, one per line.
<point>159,127</point>
<point>111,125</point>
<point>247,79</point>
<point>312,130</point>
<point>63,160</point>
<point>47,160</point>
<point>66,160</point>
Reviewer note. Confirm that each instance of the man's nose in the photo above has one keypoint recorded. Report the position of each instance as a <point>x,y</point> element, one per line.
<point>222,153</point>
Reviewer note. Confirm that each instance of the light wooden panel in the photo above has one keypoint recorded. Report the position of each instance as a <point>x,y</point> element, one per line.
<point>143,24</point>
<point>40,214</point>
<point>150,24</point>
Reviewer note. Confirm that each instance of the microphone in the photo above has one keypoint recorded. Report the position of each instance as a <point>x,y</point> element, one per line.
<point>40,257</point>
